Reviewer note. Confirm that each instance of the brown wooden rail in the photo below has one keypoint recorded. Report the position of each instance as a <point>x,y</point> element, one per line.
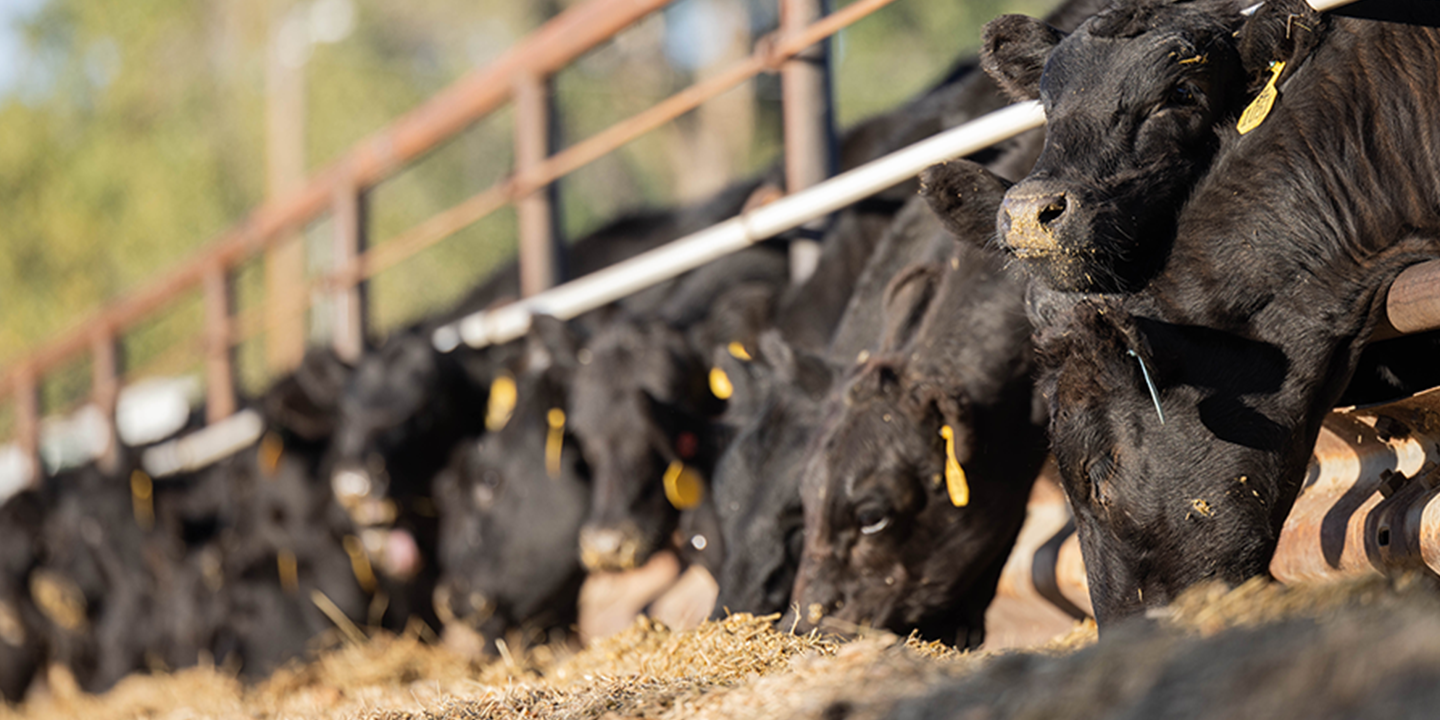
<point>519,75</point>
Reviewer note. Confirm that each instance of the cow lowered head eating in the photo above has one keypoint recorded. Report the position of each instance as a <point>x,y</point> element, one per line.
<point>916,488</point>
<point>1246,322</point>
<point>511,502</point>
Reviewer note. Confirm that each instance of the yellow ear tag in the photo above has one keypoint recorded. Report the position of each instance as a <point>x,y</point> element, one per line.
<point>360,563</point>
<point>720,384</point>
<point>683,488</point>
<point>1260,107</point>
<point>737,351</point>
<point>271,449</point>
<point>142,497</point>
<point>954,474</point>
<point>554,442</point>
<point>501,404</point>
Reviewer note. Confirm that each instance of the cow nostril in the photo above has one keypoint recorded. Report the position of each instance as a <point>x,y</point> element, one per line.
<point>1052,210</point>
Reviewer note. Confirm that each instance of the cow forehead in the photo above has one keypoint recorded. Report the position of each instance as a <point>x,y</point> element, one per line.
<point>1091,65</point>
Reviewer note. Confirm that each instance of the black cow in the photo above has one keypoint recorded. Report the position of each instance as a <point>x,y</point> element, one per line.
<point>775,405</point>
<point>764,458</point>
<point>1249,301</point>
<point>22,643</point>
<point>511,503</point>
<point>916,490</point>
<point>641,404</point>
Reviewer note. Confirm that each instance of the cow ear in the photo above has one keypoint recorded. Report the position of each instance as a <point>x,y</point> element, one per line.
<point>305,402</point>
<point>1013,52</point>
<point>1279,31</point>
<point>966,197</point>
<point>812,374</point>
<point>906,299</point>
<point>550,344</point>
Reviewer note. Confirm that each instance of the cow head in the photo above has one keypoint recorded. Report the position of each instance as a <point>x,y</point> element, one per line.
<point>640,406</point>
<point>511,504</point>
<point>775,407</point>
<point>916,489</point>
<point>1137,102</point>
<point>1162,503</point>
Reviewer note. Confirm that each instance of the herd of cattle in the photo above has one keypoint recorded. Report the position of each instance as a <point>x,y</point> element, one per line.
<point>1170,305</point>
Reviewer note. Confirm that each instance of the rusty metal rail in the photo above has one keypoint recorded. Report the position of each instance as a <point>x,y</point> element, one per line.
<point>519,76</point>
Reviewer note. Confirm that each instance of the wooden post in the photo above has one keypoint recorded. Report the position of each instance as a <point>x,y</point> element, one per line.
<point>27,420</point>
<point>219,375</point>
<point>348,217</point>
<point>809,125</point>
<point>285,173</point>
<point>538,267</point>
<point>105,391</point>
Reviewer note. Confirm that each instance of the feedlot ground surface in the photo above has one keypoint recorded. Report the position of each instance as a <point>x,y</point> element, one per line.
<point>743,668</point>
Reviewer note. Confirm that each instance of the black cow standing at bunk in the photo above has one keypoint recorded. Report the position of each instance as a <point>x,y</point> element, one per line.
<point>1239,274</point>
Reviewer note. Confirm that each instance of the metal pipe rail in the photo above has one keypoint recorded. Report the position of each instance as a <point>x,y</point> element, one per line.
<point>338,189</point>
<point>605,286</point>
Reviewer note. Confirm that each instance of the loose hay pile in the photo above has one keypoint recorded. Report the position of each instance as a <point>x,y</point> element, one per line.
<point>1259,648</point>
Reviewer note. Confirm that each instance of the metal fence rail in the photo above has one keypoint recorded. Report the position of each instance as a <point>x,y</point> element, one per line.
<point>338,190</point>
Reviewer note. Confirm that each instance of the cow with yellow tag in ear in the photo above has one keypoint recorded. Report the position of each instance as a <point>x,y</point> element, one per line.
<point>916,488</point>
<point>511,502</point>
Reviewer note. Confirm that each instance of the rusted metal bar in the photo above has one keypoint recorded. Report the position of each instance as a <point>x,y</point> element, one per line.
<point>809,125</point>
<point>438,117</point>
<point>105,390</point>
<point>219,375</point>
<point>566,301</point>
<point>348,218</point>
<point>1367,506</point>
<point>561,40</point>
<point>768,56</point>
<point>538,267</point>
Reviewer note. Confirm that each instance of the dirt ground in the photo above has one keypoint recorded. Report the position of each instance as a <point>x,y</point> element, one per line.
<point>738,668</point>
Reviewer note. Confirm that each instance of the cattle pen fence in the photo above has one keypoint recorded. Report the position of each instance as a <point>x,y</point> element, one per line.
<point>519,78</point>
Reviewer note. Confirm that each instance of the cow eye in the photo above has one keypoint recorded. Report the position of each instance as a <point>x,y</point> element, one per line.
<point>1183,94</point>
<point>872,520</point>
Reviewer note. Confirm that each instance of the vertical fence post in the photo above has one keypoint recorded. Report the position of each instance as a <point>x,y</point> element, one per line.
<point>219,375</point>
<point>284,300</point>
<point>105,391</point>
<point>538,266</point>
<point>809,125</point>
<point>348,216</point>
<point>27,419</point>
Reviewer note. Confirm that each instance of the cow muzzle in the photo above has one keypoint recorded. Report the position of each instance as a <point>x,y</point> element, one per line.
<point>610,548</point>
<point>1031,218</point>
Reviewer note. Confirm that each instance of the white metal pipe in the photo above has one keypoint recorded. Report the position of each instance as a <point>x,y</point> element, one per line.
<point>629,276</point>
<point>624,278</point>
<point>1323,5</point>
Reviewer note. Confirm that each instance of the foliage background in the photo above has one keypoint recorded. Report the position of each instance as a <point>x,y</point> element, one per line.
<point>132,133</point>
